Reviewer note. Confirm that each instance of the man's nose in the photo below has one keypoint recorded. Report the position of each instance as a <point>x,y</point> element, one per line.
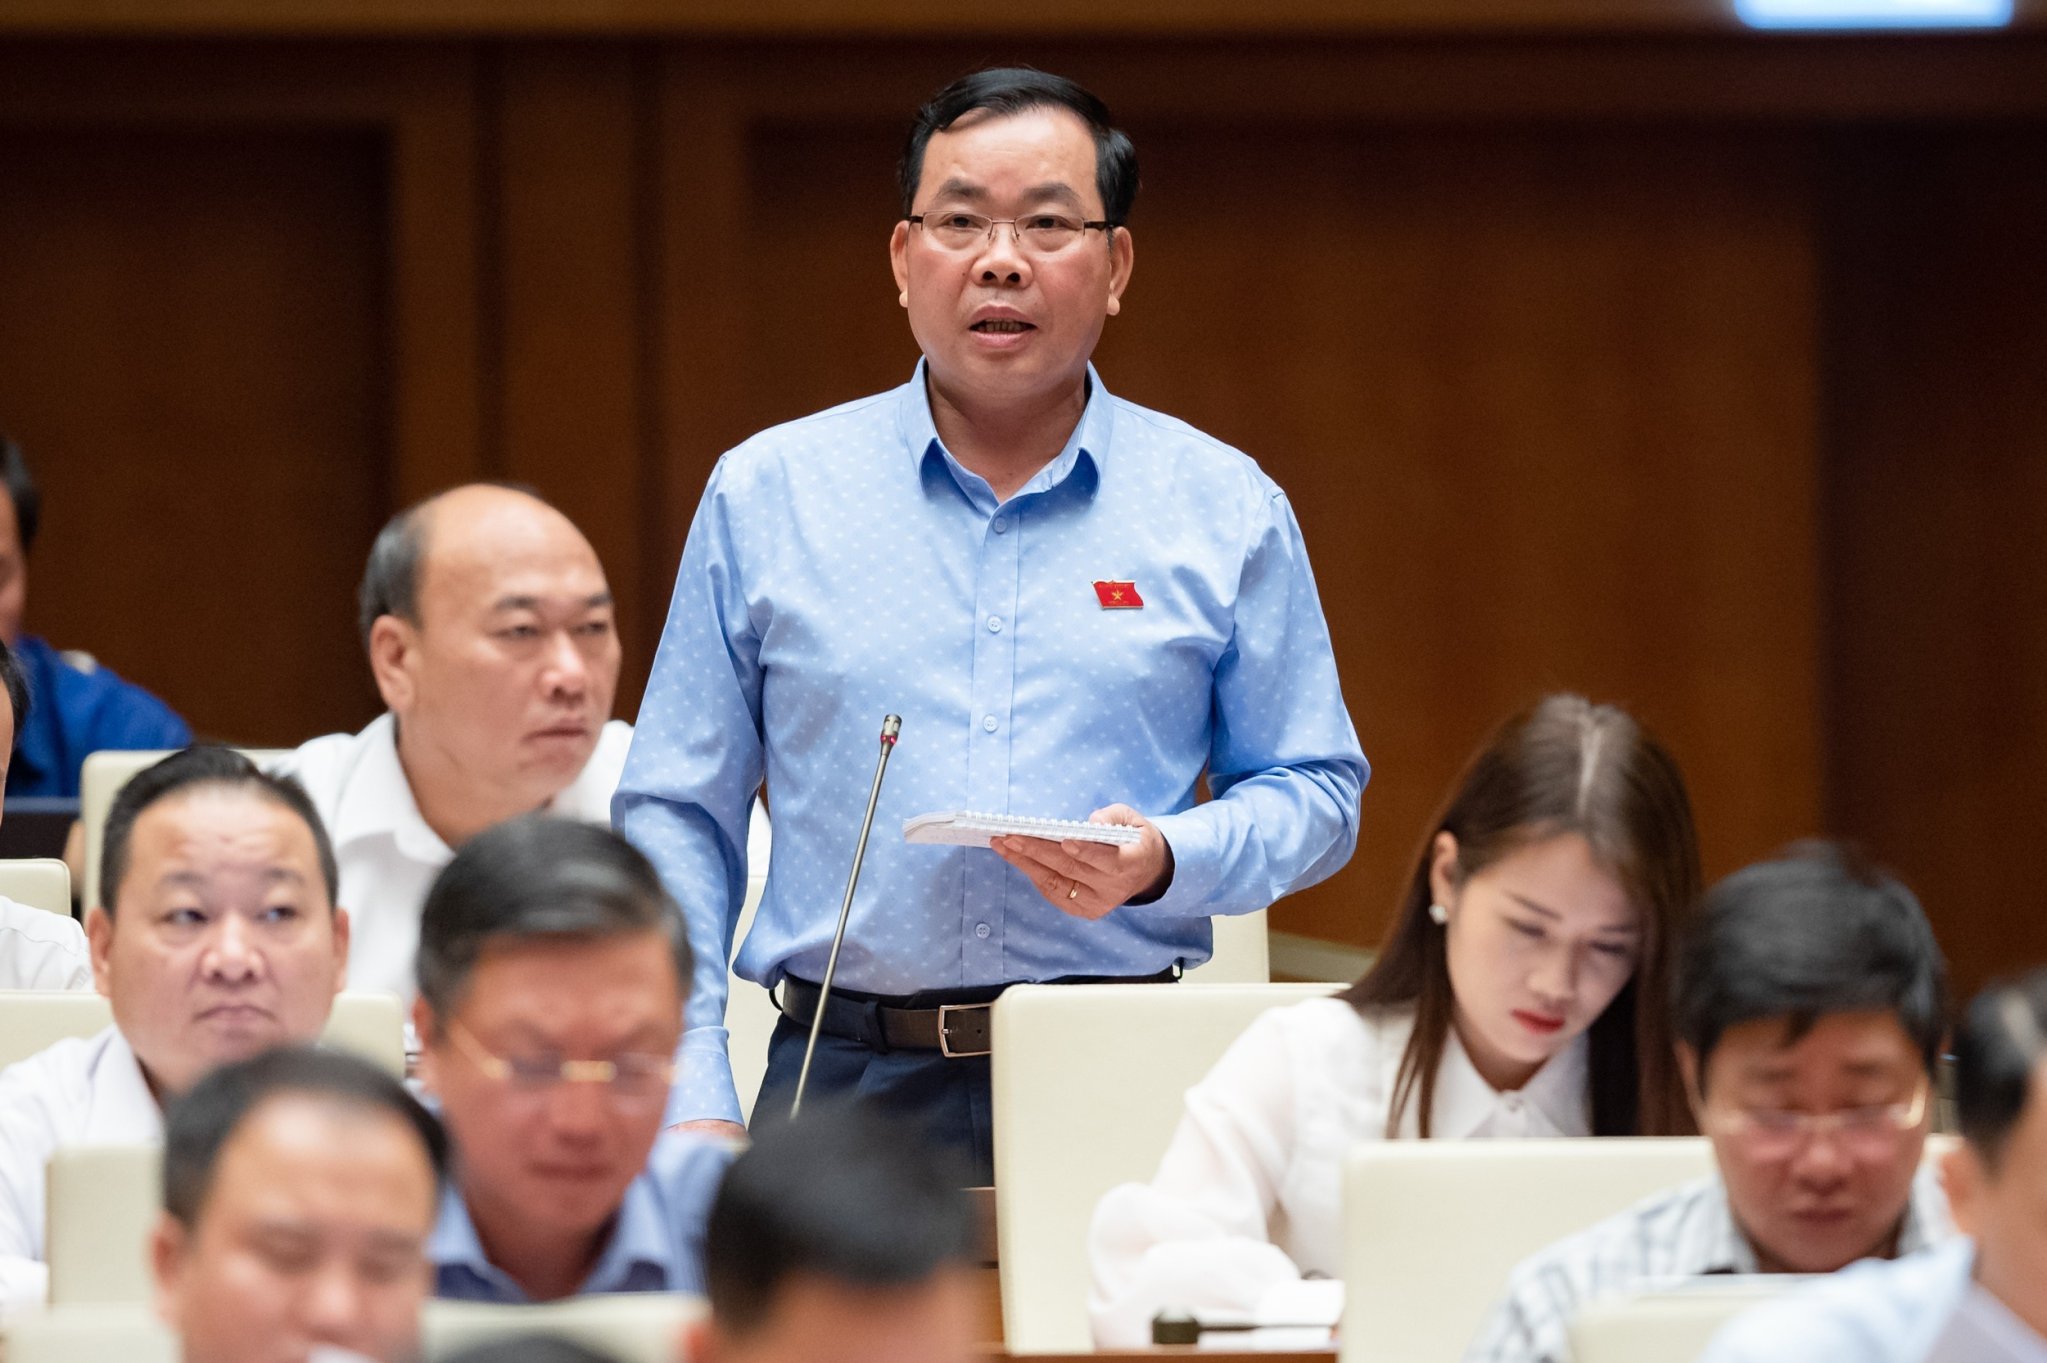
<point>568,669</point>
<point>334,1306</point>
<point>1820,1161</point>
<point>1002,259</point>
<point>231,954</point>
<point>576,1109</point>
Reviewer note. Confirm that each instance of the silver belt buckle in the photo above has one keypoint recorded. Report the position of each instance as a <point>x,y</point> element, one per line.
<point>945,1012</point>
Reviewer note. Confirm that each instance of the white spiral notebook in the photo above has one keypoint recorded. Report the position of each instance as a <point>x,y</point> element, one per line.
<point>968,828</point>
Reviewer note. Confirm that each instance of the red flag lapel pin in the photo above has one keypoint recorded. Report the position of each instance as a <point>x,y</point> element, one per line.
<point>1118,596</point>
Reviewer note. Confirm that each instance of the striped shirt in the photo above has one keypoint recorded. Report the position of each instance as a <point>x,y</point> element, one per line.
<point>1683,1232</point>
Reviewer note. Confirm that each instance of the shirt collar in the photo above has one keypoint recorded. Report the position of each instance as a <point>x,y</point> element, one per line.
<point>1085,452</point>
<point>1464,1101</point>
<point>377,800</point>
<point>638,1256</point>
<point>123,1109</point>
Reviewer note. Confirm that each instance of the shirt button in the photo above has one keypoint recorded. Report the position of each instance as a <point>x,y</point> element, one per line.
<point>980,930</point>
<point>1511,1101</point>
<point>988,723</point>
<point>1001,525</point>
<point>995,624</point>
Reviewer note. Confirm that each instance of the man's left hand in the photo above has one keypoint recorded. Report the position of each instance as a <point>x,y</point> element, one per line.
<point>1088,879</point>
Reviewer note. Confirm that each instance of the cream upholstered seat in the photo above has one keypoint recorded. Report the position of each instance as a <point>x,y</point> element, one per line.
<point>1088,1084</point>
<point>633,1327</point>
<point>127,1333</point>
<point>1432,1228</point>
<point>369,1025</point>
<point>39,882</point>
<point>101,777</point>
<point>1672,1326</point>
<point>101,1201</point>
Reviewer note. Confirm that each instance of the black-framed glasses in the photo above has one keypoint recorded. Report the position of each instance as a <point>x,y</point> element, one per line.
<point>1038,234</point>
<point>627,1079</point>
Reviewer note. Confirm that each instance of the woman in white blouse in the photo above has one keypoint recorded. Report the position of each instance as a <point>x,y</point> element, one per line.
<point>1521,991</point>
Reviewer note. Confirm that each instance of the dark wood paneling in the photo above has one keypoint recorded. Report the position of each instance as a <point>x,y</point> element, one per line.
<point>1937,488</point>
<point>190,327</point>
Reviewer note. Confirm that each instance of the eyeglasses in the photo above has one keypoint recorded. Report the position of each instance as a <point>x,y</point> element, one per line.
<point>1774,1134</point>
<point>1039,234</point>
<point>628,1079</point>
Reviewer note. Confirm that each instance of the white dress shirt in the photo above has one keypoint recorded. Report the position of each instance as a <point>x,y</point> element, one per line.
<point>81,1091</point>
<point>41,950</point>
<point>1248,1198</point>
<point>1924,1308</point>
<point>1682,1232</point>
<point>388,855</point>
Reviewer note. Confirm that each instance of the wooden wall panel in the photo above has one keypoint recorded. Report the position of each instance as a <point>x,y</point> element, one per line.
<point>190,326</point>
<point>1937,484</point>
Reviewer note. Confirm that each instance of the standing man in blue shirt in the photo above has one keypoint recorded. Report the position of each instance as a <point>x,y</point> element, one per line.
<point>1079,607</point>
<point>80,707</point>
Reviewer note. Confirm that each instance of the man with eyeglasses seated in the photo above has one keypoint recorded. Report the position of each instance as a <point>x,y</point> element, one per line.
<point>552,974</point>
<point>219,938</point>
<point>1810,1003</point>
<point>298,1191</point>
<point>1981,1298</point>
<point>1080,609</point>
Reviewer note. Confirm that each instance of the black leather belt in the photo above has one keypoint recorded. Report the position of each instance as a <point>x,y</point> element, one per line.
<point>954,1023</point>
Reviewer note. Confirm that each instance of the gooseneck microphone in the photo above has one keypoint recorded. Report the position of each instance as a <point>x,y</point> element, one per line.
<point>891,725</point>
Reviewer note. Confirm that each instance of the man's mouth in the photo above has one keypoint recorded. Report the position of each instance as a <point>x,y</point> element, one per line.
<point>1001,326</point>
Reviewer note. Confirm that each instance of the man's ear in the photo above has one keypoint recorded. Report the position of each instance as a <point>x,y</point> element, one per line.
<point>99,939</point>
<point>700,1342</point>
<point>393,642</point>
<point>1695,1091</point>
<point>423,1027</point>
<point>899,261</point>
<point>343,925</point>
<point>167,1243</point>
<point>1967,1183</point>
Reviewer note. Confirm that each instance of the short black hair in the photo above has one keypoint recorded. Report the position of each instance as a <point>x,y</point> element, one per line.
<point>21,488</point>
<point>390,580</point>
<point>15,682</point>
<point>843,1193</point>
<point>203,764</point>
<point>530,1349</point>
<point>538,877</point>
<point>1814,931</point>
<point>199,1124</point>
<point>1007,90</point>
<point>1998,1050</point>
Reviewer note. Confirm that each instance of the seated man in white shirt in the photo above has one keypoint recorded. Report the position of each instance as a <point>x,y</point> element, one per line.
<point>1981,1298</point>
<point>553,968</point>
<point>38,949</point>
<point>1810,1003</point>
<point>298,1190</point>
<point>842,1236</point>
<point>220,938</point>
<point>488,623</point>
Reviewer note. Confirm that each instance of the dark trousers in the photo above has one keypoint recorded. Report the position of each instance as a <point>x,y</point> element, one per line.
<point>950,1099</point>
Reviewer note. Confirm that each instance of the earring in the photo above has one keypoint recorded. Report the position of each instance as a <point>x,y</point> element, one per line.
<point>903,299</point>
<point>1439,915</point>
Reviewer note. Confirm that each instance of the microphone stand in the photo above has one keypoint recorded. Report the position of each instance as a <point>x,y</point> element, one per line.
<point>891,725</point>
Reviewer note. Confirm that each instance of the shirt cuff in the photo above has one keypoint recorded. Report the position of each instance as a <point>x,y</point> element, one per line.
<point>703,1088</point>
<point>1197,865</point>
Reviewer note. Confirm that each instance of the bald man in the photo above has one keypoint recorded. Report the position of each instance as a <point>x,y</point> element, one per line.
<point>488,623</point>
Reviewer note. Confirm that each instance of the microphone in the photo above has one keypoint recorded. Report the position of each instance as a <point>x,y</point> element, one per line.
<point>1184,1327</point>
<point>891,725</point>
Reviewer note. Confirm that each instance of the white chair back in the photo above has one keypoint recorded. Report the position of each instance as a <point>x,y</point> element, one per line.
<point>1089,1082</point>
<point>1673,1326</point>
<point>1241,955</point>
<point>365,1024</point>
<point>101,777</point>
<point>39,882</point>
<point>636,1327</point>
<point>1432,1228</point>
<point>101,1202</point>
<point>89,1334</point>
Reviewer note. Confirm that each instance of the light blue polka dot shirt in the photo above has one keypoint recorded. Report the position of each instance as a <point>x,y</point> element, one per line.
<point>846,566</point>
